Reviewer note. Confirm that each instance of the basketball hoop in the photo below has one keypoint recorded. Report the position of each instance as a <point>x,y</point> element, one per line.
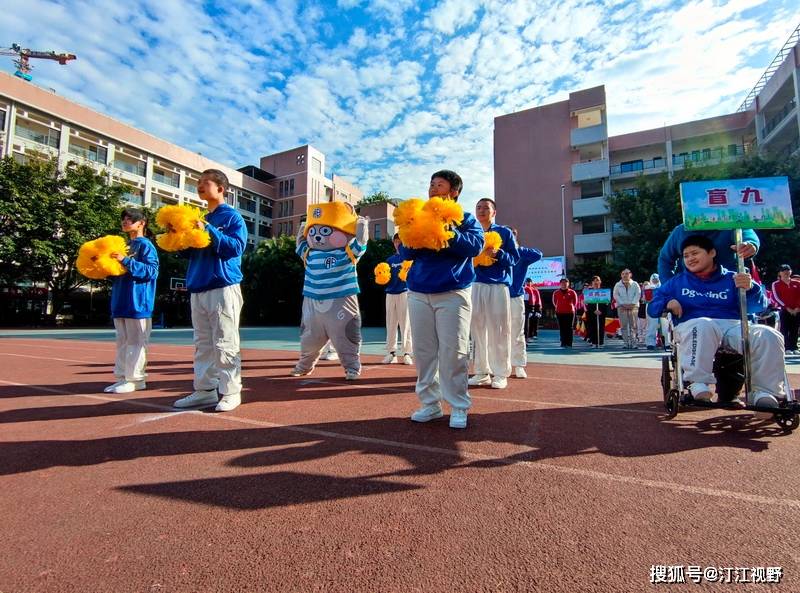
<point>177,284</point>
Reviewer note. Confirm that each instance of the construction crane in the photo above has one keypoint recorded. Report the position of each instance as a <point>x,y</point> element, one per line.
<point>24,55</point>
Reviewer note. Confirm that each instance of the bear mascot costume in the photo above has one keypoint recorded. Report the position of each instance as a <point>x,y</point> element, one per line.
<point>330,243</point>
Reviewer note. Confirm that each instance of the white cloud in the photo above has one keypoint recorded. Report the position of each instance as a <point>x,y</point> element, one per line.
<point>392,92</point>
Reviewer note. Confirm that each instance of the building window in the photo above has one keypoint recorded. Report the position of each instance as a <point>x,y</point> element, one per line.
<point>316,166</point>
<point>628,166</point>
<point>291,187</point>
<point>301,159</point>
<point>264,230</point>
<point>290,226</point>
<point>377,231</point>
<point>593,225</point>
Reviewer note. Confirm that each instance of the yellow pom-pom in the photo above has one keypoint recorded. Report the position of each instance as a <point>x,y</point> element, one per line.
<point>181,225</point>
<point>491,240</point>
<point>383,273</point>
<point>403,273</point>
<point>94,257</point>
<point>426,225</point>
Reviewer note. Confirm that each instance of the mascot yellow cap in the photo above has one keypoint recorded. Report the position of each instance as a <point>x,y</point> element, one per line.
<point>338,215</point>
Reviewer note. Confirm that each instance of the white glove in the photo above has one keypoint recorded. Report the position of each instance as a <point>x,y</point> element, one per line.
<point>362,229</point>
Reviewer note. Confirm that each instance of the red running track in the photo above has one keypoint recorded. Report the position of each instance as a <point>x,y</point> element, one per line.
<point>567,481</point>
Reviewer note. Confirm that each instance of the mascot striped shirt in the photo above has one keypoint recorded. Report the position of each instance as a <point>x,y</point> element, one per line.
<point>331,274</point>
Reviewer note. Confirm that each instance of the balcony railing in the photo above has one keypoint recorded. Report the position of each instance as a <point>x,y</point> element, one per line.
<point>709,154</point>
<point>98,156</point>
<point>50,138</point>
<point>136,169</point>
<point>776,119</point>
<point>588,170</point>
<point>166,179</point>
<point>635,166</point>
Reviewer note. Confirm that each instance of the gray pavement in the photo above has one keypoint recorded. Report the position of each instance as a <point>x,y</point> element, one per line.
<point>545,349</point>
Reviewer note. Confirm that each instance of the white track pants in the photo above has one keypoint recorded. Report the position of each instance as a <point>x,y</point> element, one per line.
<point>652,330</point>
<point>397,316</point>
<point>519,351</point>
<point>490,329</point>
<point>440,326</point>
<point>132,338</point>
<point>215,319</point>
<point>701,338</point>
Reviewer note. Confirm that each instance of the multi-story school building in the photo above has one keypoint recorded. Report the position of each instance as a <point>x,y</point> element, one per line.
<point>558,160</point>
<point>272,197</point>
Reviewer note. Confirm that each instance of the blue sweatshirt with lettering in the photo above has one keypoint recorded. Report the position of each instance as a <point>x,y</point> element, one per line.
<point>395,285</point>
<point>670,258</point>
<point>449,268</point>
<point>219,264</point>
<point>133,294</point>
<point>715,297</point>
<point>527,256</point>
<point>507,256</point>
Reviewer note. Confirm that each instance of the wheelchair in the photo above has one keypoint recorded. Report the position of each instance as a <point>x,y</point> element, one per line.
<point>729,372</point>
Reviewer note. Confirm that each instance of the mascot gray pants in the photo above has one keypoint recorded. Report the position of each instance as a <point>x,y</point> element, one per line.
<point>337,320</point>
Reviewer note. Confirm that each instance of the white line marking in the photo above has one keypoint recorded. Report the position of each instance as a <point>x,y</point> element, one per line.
<point>537,465</point>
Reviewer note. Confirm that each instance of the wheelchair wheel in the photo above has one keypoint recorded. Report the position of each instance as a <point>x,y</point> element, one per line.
<point>672,403</point>
<point>666,377</point>
<point>787,422</point>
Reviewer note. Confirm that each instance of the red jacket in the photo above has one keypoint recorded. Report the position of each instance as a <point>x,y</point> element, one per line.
<point>787,295</point>
<point>565,300</point>
<point>532,296</point>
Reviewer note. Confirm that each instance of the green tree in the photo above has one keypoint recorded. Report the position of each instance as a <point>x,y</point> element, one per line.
<point>45,216</point>
<point>273,283</point>
<point>372,299</point>
<point>648,218</point>
<point>376,198</point>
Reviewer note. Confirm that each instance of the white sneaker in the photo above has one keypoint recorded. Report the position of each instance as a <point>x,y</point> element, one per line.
<point>700,392</point>
<point>330,355</point>
<point>350,375</point>
<point>299,373</point>
<point>110,388</point>
<point>427,413</point>
<point>130,386</point>
<point>499,383</point>
<point>407,359</point>
<point>477,380</point>
<point>458,418</point>
<point>196,399</point>
<point>229,402</point>
<point>519,373</point>
<point>389,359</point>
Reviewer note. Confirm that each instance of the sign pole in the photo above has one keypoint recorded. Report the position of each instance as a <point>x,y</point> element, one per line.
<point>743,315</point>
<point>597,325</point>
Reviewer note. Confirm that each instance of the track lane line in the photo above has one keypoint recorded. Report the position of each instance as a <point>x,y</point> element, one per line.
<point>473,457</point>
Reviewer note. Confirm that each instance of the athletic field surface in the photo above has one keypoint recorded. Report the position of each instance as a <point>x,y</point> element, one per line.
<point>568,481</point>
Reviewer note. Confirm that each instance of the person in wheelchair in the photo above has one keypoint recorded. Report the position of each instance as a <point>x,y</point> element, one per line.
<point>704,303</point>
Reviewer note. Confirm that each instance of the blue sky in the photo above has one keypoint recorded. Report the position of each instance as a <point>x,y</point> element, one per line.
<point>392,90</point>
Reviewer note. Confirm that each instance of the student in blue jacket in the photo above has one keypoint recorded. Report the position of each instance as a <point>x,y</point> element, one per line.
<point>704,303</point>
<point>491,304</point>
<point>213,281</point>
<point>440,308</point>
<point>670,258</point>
<point>519,354</point>
<point>133,296</point>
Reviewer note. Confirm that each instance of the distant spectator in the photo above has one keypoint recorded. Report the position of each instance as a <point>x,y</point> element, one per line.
<point>786,292</point>
<point>565,301</point>
<point>533,310</point>
<point>596,317</point>
<point>627,294</point>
